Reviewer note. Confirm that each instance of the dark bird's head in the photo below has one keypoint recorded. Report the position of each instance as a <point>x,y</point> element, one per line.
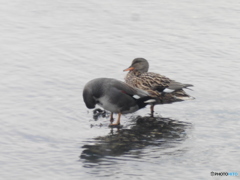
<point>138,64</point>
<point>88,98</point>
<point>91,91</point>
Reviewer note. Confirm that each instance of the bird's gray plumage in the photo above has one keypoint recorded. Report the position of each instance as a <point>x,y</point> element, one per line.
<point>115,96</point>
<point>117,93</point>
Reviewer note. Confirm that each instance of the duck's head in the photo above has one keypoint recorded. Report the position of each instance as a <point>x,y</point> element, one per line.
<point>138,64</point>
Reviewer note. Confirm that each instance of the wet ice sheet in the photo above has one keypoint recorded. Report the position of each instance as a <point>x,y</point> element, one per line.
<point>50,49</point>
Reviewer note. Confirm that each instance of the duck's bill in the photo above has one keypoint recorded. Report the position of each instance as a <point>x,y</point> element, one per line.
<point>129,69</point>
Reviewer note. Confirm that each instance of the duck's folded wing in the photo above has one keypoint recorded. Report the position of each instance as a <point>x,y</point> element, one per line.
<point>160,83</point>
<point>174,85</point>
<point>127,89</point>
<point>152,81</point>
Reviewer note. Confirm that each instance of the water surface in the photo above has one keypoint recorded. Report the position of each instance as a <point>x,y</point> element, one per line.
<point>50,49</point>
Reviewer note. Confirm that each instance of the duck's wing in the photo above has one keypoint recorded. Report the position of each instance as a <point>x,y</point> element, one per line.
<point>127,89</point>
<point>152,81</point>
<point>174,85</point>
<point>159,83</point>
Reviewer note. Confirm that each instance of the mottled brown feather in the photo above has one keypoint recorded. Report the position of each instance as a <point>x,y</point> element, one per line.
<point>154,84</point>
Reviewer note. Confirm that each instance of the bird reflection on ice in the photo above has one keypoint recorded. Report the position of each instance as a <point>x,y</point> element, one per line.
<point>146,131</point>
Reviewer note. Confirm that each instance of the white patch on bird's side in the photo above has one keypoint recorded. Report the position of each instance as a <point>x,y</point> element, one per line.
<point>136,96</point>
<point>150,101</point>
<point>184,98</point>
<point>168,90</point>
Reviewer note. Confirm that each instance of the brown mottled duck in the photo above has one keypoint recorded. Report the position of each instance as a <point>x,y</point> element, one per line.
<point>162,88</point>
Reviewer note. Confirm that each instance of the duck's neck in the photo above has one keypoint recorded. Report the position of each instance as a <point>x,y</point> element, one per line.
<point>135,73</point>
<point>131,75</point>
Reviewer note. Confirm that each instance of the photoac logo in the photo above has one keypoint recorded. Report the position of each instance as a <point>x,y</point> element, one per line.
<point>224,173</point>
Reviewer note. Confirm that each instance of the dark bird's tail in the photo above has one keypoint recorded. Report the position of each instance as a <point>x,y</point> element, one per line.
<point>143,101</point>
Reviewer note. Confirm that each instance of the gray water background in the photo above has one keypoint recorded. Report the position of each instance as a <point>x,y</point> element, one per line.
<point>50,49</point>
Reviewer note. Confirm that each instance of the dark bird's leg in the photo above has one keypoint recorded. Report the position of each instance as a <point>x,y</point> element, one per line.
<point>119,116</point>
<point>152,110</point>
<point>118,121</point>
<point>111,118</point>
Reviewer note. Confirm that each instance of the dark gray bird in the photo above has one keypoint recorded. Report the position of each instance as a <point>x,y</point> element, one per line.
<point>164,89</point>
<point>115,96</point>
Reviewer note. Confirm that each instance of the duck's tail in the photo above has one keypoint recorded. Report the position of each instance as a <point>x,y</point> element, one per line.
<point>184,98</point>
<point>175,96</point>
<point>143,101</point>
<point>181,95</point>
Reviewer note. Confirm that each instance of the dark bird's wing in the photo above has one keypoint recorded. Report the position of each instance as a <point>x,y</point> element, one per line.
<point>127,89</point>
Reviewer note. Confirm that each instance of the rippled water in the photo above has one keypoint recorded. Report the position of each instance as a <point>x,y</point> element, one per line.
<point>50,49</point>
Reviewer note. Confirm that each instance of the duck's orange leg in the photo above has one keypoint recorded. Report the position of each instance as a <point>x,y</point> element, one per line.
<point>118,121</point>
